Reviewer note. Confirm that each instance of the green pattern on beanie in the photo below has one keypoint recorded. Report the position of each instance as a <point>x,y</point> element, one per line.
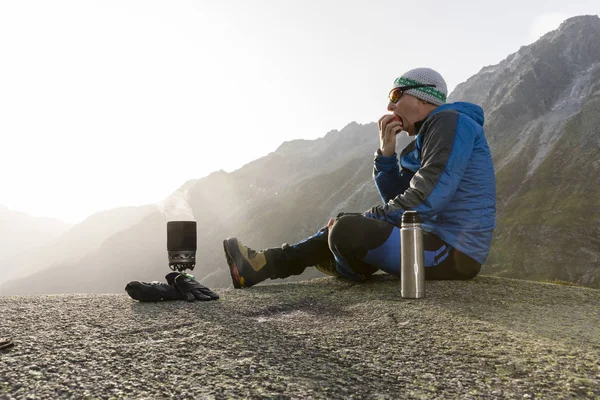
<point>401,81</point>
<point>435,95</point>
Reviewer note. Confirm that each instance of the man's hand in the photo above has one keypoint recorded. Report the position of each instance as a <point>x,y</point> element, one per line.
<point>190,288</point>
<point>389,126</point>
<point>330,223</point>
<point>340,215</point>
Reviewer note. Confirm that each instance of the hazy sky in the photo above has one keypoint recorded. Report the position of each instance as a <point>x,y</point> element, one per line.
<point>113,103</point>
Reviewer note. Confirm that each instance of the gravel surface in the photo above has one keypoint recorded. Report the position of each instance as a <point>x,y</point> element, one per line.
<point>490,338</point>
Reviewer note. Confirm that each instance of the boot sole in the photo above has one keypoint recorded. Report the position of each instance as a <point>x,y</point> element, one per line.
<point>233,269</point>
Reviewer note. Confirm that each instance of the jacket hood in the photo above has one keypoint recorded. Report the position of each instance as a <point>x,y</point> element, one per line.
<point>472,110</point>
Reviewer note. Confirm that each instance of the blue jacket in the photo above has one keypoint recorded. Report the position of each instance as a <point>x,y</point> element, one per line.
<point>447,176</point>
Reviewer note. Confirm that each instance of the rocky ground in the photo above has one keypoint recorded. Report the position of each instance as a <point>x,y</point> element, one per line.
<point>490,338</point>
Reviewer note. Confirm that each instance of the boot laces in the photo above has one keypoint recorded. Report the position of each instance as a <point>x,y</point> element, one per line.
<point>251,253</point>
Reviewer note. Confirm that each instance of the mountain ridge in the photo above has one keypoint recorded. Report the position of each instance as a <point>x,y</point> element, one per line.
<point>546,157</point>
<point>21,232</point>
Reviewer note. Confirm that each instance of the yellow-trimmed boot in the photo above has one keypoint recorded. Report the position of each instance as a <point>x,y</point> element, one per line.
<point>248,267</point>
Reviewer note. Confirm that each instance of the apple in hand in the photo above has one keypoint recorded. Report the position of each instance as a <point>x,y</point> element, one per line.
<point>397,118</point>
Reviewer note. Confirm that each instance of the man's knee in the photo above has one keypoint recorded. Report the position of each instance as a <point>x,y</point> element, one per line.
<point>342,235</point>
<point>346,240</point>
<point>469,272</point>
<point>466,267</point>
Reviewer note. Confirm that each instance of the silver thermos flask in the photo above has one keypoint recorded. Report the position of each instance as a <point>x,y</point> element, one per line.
<point>412,267</point>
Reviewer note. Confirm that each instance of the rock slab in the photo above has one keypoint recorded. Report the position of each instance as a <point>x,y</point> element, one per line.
<point>489,338</point>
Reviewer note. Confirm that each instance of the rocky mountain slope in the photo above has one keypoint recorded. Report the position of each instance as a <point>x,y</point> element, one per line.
<point>69,250</point>
<point>20,233</point>
<point>543,126</point>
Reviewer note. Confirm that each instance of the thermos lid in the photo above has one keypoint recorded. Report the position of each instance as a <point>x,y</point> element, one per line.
<point>410,217</point>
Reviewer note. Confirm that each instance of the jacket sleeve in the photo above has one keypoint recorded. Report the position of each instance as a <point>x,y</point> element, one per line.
<point>445,154</point>
<point>389,179</point>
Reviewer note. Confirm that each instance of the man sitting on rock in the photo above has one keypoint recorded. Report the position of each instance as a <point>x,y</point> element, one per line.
<point>446,175</point>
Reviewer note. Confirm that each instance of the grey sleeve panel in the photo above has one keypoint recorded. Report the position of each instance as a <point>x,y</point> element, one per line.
<point>409,147</point>
<point>438,140</point>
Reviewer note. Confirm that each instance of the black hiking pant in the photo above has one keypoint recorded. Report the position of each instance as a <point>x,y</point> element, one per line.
<point>360,246</point>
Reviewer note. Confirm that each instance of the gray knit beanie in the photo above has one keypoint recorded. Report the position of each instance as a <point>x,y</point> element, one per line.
<point>435,95</point>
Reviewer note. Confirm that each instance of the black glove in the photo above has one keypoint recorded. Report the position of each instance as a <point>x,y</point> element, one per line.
<point>152,291</point>
<point>190,288</point>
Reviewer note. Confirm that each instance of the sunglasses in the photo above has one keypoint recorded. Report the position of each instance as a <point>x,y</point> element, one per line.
<point>396,93</point>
